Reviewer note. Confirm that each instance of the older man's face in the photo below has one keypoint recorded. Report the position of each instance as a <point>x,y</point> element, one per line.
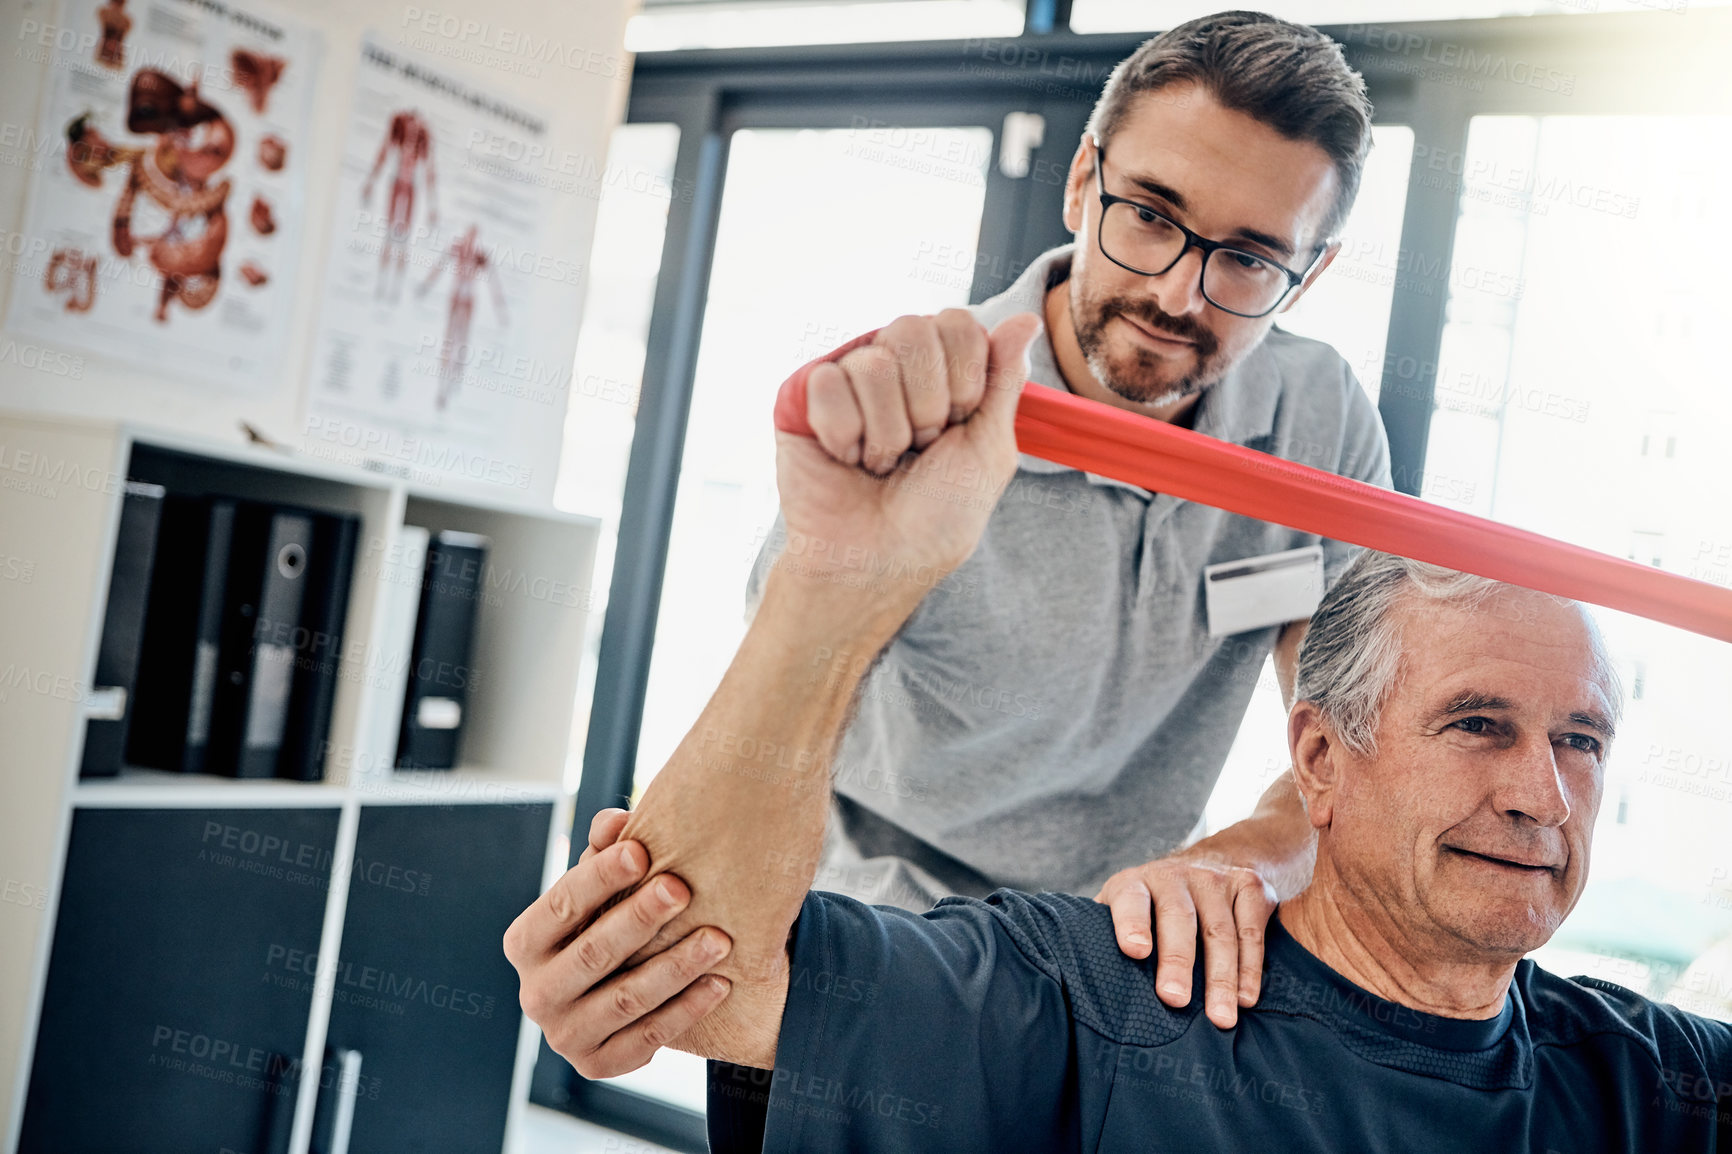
<point>1472,821</point>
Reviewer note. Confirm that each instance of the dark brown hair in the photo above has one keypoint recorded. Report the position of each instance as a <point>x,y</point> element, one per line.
<point>1289,76</point>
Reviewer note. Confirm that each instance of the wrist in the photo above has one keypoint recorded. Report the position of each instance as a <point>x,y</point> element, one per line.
<point>814,609</point>
<point>1260,844</point>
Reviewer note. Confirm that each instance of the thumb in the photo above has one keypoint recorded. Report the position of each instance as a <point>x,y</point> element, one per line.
<point>1007,368</point>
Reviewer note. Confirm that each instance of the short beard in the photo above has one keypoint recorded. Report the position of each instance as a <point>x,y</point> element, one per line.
<point>1187,386</point>
<point>1092,340</point>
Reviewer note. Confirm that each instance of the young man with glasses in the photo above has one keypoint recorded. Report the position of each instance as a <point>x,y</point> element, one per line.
<point>1058,709</point>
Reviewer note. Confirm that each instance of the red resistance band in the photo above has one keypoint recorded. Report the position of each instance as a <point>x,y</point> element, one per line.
<point>1164,458</point>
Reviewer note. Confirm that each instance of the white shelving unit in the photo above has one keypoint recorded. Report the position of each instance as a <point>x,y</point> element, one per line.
<point>60,501</point>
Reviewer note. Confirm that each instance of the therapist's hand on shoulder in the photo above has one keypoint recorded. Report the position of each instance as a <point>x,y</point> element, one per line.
<point>1190,892</point>
<point>1223,890</point>
<point>606,1023</point>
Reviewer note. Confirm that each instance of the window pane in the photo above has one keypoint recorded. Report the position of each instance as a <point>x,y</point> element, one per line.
<point>1141,15</point>
<point>1580,392</point>
<point>794,276</point>
<point>671,24</point>
<point>601,407</point>
<point>1348,307</point>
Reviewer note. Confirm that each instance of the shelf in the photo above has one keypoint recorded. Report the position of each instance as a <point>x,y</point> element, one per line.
<point>61,510</point>
<point>137,787</point>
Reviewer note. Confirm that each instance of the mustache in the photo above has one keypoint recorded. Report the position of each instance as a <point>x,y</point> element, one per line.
<point>1154,317</point>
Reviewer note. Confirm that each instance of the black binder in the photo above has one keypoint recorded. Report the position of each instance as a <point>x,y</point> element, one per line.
<point>269,560</point>
<point>331,568</point>
<point>439,671</point>
<point>169,726</point>
<point>114,689</point>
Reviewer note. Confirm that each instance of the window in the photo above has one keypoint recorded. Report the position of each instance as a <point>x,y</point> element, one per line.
<point>1138,15</point>
<point>601,409</point>
<point>1348,307</point>
<point>1579,394</point>
<point>664,25</point>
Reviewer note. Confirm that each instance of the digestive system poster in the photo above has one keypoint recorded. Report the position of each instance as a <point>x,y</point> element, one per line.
<point>166,209</point>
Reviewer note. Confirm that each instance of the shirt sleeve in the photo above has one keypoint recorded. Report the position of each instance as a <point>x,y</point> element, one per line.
<point>943,1031</point>
<point>1364,457</point>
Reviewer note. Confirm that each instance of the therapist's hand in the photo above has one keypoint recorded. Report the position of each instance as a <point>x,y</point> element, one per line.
<point>1195,889</point>
<point>1223,889</point>
<point>606,1023</point>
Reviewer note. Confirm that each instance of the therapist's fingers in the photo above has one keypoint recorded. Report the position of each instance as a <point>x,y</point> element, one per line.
<point>1128,898</point>
<point>604,830</point>
<point>1252,908</point>
<point>1175,943</point>
<point>1220,935</point>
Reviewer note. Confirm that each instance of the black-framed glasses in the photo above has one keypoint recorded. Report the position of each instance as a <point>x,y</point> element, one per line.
<point>1148,242</point>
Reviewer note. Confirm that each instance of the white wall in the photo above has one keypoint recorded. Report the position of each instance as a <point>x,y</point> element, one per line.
<point>578,76</point>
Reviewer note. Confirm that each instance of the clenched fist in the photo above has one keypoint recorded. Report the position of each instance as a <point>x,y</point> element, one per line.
<point>857,513</point>
<point>919,375</point>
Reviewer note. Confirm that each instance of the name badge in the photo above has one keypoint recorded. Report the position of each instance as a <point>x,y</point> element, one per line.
<point>1255,592</point>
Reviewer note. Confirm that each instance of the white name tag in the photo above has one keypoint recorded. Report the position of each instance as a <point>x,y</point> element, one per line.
<point>1254,592</point>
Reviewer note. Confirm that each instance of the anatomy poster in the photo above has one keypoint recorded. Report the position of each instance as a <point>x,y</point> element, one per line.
<point>167,209</point>
<point>428,360</point>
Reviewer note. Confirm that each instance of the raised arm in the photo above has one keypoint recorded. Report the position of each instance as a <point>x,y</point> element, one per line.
<point>738,812</point>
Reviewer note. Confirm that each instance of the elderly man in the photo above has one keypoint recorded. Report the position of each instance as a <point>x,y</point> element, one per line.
<point>1448,740</point>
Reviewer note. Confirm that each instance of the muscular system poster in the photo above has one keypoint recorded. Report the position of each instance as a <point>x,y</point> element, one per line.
<point>165,217</point>
<point>429,361</point>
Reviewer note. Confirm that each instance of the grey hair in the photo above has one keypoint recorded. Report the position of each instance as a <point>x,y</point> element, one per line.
<point>1351,654</point>
<point>1286,75</point>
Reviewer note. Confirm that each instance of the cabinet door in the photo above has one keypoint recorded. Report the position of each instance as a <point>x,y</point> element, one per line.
<point>173,1018</point>
<point>423,992</point>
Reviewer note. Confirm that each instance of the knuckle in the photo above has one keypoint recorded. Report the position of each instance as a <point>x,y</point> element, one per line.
<point>533,1001</point>
<point>589,954</point>
<point>1220,930</point>
<point>1179,959</point>
<point>559,902</point>
<point>627,1003</point>
<point>658,1033</point>
<point>644,912</point>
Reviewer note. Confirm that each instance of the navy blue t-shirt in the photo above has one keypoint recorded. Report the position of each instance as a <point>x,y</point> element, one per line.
<point>1015,1023</point>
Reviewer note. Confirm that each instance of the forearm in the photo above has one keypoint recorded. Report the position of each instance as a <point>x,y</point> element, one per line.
<point>738,812</point>
<point>1276,840</point>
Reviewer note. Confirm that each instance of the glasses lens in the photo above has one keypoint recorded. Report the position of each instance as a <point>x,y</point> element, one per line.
<point>1240,282</point>
<point>1134,236</point>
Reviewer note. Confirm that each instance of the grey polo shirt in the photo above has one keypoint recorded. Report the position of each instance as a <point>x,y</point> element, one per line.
<point>1056,710</point>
